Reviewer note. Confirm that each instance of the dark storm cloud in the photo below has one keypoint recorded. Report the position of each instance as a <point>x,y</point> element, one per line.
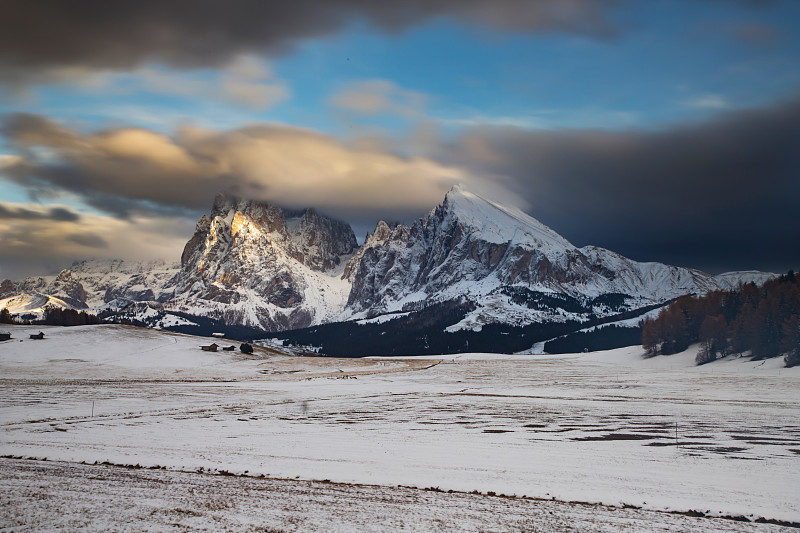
<point>26,128</point>
<point>53,38</point>
<point>720,194</point>
<point>56,214</point>
<point>90,240</point>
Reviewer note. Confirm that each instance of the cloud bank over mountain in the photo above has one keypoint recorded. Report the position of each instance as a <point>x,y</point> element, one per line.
<point>125,170</point>
<point>711,194</point>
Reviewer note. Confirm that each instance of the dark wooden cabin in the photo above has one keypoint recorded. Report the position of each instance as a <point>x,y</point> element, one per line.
<point>210,348</point>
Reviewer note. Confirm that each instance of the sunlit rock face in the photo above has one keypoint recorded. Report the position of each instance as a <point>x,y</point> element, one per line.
<point>254,263</point>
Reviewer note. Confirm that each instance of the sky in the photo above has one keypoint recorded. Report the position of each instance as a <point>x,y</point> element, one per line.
<point>665,130</point>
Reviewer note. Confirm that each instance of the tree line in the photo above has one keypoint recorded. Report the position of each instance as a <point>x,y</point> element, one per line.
<point>54,316</point>
<point>764,321</point>
<point>600,338</point>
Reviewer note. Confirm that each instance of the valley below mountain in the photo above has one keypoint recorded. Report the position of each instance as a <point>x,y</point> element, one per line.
<point>112,427</point>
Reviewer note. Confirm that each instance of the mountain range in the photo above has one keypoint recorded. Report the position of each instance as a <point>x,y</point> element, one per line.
<point>256,265</point>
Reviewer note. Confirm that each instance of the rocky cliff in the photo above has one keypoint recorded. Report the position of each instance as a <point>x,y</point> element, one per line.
<point>256,264</point>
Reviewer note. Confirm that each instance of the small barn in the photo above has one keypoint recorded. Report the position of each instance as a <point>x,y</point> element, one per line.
<point>38,336</point>
<point>210,348</point>
<point>228,348</point>
<point>5,336</point>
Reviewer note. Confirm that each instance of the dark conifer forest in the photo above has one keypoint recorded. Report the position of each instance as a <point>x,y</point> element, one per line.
<point>762,321</point>
<point>55,316</point>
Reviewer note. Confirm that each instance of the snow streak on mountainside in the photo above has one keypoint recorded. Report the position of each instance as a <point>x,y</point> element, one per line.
<point>109,280</point>
<point>31,304</point>
<point>255,264</point>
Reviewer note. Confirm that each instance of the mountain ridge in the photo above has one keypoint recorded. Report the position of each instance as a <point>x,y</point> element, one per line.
<point>259,265</point>
<point>470,247</point>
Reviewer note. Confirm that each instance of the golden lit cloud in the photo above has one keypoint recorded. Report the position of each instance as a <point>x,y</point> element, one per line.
<point>375,97</point>
<point>285,165</point>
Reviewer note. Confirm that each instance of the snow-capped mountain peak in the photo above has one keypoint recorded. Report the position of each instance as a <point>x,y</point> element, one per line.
<point>499,223</point>
<point>498,259</point>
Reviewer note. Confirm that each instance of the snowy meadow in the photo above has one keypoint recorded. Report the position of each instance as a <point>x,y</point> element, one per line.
<point>606,440</point>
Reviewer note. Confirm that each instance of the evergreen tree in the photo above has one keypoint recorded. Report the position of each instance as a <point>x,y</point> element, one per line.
<point>790,344</point>
<point>713,339</point>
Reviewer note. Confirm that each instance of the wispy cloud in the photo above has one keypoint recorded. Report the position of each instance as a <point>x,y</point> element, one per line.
<point>247,81</point>
<point>379,97</point>
<point>706,101</point>
<point>55,213</point>
<point>756,34</point>
<point>550,119</point>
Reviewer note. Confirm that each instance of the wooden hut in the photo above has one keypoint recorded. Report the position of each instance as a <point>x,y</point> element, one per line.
<point>39,336</point>
<point>210,348</point>
<point>5,336</point>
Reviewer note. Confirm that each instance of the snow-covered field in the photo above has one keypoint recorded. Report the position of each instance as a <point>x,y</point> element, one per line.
<point>608,427</point>
<point>71,497</point>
